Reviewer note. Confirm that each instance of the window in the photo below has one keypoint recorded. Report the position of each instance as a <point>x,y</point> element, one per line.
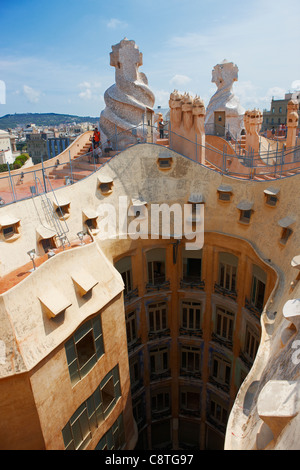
<point>157,316</point>
<point>10,228</point>
<point>108,394</point>
<point>224,196</point>
<point>156,266</point>
<point>131,327</point>
<point>228,264</point>
<point>190,400</point>
<point>258,287</point>
<point>105,184</point>
<point>245,216</point>
<point>160,400</point>
<point>192,261</point>
<point>124,268</point>
<point>92,224</point>
<point>79,429</point>
<point>114,438</point>
<point>190,315</point>
<point>245,208</point>
<point>48,244</point>
<point>139,412</point>
<point>251,342</point>
<point>271,200</point>
<point>84,349</point>
<point>165,163</point>
<point>135,372</point>
<point>285,235</point>
<point>271,196</point>
<point>221,369</point>
<point>218,411</point>
<point>224,324</point>
<point>77,432</point>
<point>159,360</point>
<point>90,219</point>
<point>63,211</point>
<point>8,231</point>
<point>190,360</point>
<point>224,192</point>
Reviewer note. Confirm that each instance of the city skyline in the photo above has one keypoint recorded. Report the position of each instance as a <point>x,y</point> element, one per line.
<point>56,58</point>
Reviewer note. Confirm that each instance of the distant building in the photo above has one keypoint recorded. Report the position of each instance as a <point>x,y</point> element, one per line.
<point>45,145</point>
<point>7,147</point>
<point>278,111</point>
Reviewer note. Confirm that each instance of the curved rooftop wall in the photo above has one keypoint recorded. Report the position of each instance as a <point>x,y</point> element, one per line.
<point>137,174</point>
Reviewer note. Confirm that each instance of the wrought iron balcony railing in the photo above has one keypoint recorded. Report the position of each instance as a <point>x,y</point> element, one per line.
<point>226,292</point>
<point>192,282</point>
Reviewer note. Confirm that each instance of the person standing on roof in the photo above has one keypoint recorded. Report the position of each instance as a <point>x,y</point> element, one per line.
<point>161,128</point>
<point>96,138</point>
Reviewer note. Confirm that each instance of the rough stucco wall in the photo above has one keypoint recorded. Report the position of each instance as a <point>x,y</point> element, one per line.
<point>20,427</point>
<point>35,334</point>
<point>40,340</point>
<point>135,172</point>
<point>51,382</point>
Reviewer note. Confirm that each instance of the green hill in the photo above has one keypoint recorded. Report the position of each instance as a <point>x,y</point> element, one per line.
<point>10,121</point>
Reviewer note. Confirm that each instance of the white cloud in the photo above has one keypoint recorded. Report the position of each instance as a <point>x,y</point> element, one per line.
<point>275,92</point>
<point>295,85</point>
<point>88,89</point>
<point>162,98</point>
<point>86,94</point>
<point>193,41</point>
<point>85,85</point>
<point>180,80</point>
<point>32,95</point>
<point>114,23</point>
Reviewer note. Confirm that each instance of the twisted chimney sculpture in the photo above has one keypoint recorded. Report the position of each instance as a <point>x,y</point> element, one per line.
<point>129,102</point>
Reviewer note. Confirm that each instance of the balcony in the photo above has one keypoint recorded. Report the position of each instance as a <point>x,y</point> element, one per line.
<point>223,341</point>
<point>158,334</point>
<point>137,386</point>
<point>220,385</point>
<point>133,345</point>
<point>160,283</point>
<point>190,332</point>
<point>160,414</point>
<point>160,375</point>
<point>191,374</point>
<point>256,311</point>
<point>130,295</point>
<point>192,282</point>
<point>232,294</point>
<point>188,412</point>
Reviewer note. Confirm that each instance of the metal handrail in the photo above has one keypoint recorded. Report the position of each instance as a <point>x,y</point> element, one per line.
<point>271,163</point>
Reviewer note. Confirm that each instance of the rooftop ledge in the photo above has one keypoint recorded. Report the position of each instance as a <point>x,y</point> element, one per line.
<point>12,279</point>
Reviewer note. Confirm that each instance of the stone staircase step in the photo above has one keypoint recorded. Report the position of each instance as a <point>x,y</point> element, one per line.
<point>164,142</point>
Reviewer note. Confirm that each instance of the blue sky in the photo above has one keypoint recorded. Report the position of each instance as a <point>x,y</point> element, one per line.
<point>54,56</point>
